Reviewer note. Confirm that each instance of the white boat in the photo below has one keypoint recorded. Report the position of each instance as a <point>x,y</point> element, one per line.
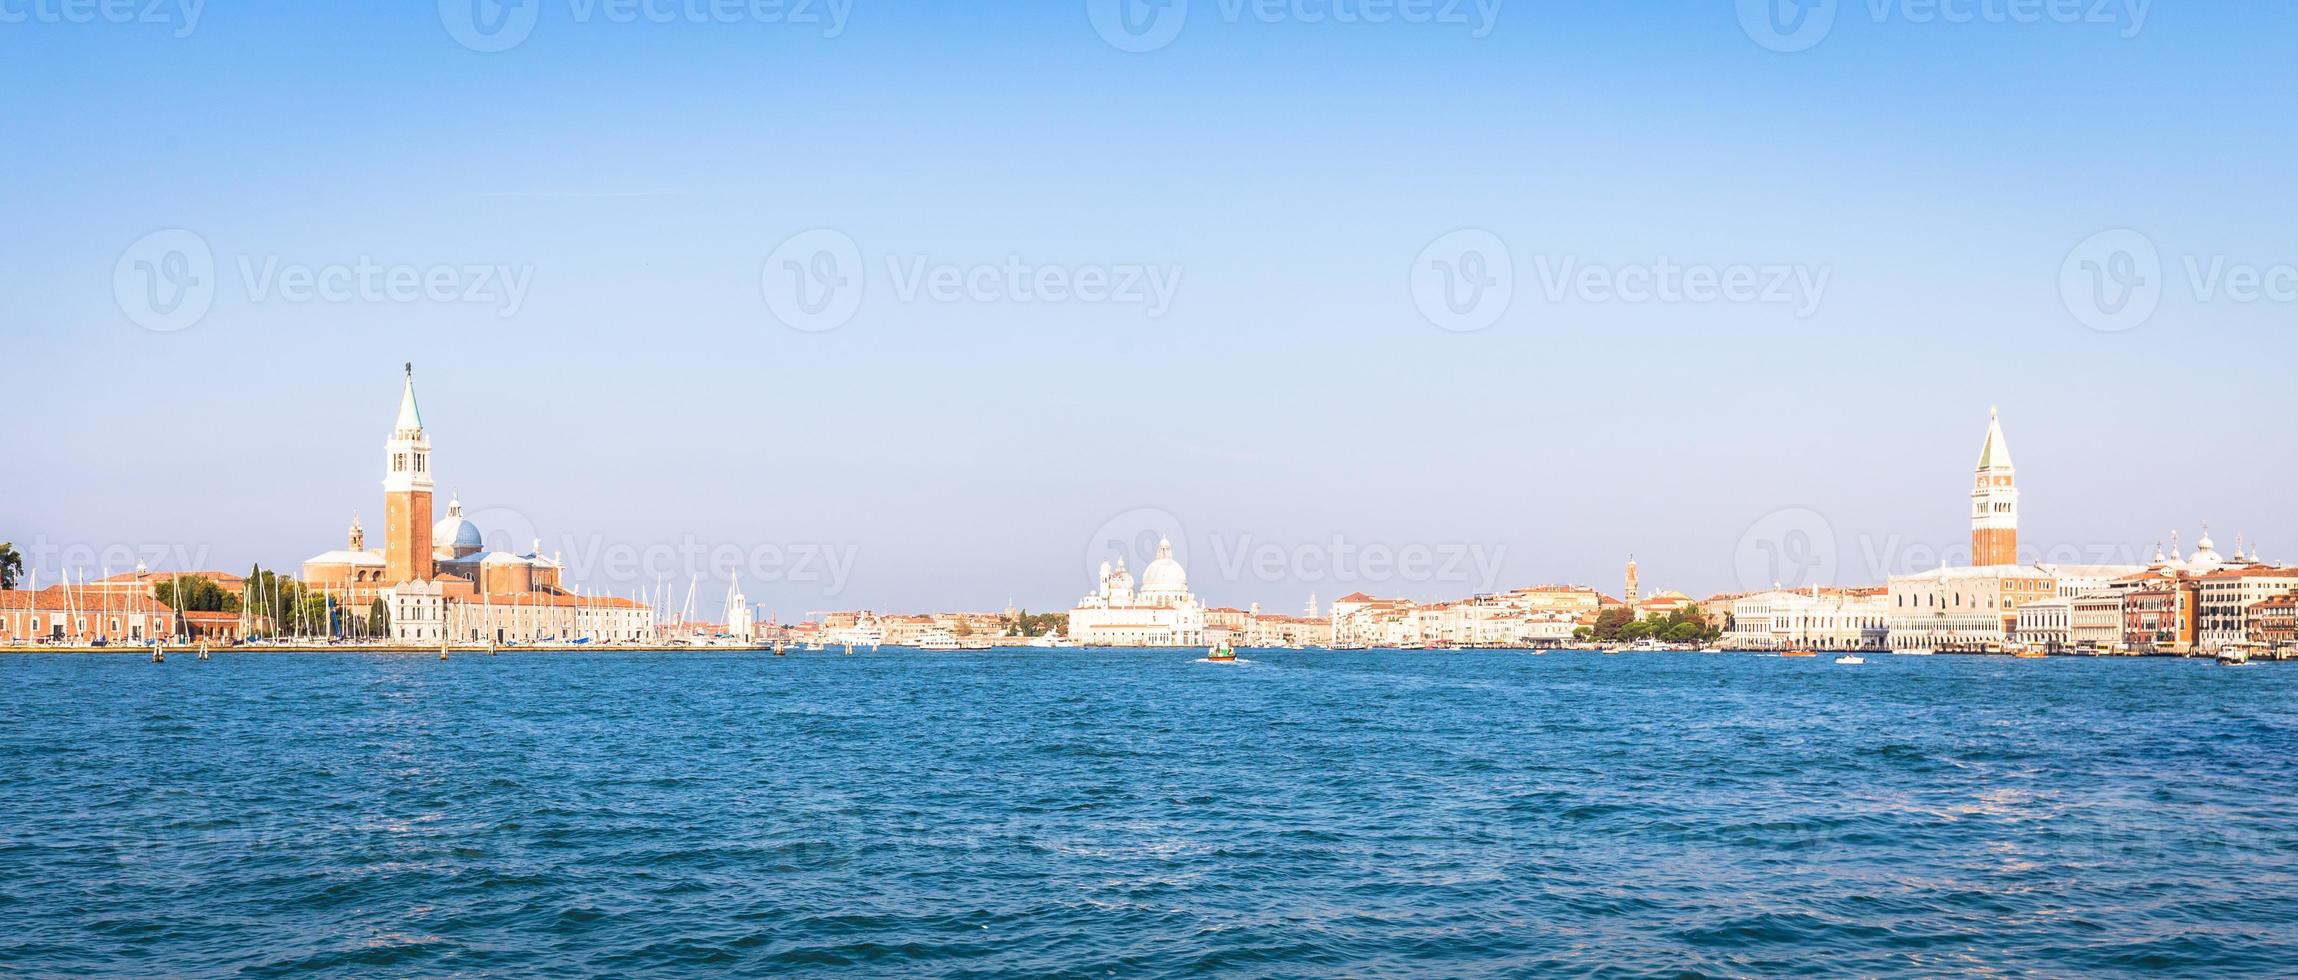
<point>1852,659</point>
<point>939,639</point>
<point>2233,656</point>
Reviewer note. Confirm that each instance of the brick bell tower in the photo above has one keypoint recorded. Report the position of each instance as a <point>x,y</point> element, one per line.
<point>407,494</point>
<point>1995,502</point>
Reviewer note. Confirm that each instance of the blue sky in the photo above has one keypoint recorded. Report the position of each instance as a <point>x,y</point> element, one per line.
<point>643,395</point>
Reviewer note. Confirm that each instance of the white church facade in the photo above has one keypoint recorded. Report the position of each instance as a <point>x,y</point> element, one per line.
<point>1159,612</point>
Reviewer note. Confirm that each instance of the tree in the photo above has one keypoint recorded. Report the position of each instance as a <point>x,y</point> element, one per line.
<point>1039,624</point>
<point>378,619</point>
<point>11,564</point>
<point>283,605</point>
<point>194,593</point>
<point>1611,622</point>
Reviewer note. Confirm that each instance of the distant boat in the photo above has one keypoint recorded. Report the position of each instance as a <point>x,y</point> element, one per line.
<point>1797,653</point>
<point>2029,654</point>
<point>939,639</point>
<point>2233,656</point>
<point>1852,659</point>
<point>1222,654</point>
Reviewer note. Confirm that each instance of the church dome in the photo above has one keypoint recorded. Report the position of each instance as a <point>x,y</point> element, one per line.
<point>1164,575</point>
<point>456,535</point>
<point>2205,551</point>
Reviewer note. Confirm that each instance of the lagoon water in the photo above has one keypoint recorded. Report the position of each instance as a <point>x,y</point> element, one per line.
<point>1145,814</point>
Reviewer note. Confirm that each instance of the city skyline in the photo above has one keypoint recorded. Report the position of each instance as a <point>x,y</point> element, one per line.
<point>1290,372</point>
<point>1789,548</point>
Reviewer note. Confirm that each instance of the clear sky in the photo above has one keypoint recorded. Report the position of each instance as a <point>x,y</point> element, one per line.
<point>1281,167</point>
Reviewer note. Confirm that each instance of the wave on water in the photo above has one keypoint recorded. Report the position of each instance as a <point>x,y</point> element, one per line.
<point>1407,813</point>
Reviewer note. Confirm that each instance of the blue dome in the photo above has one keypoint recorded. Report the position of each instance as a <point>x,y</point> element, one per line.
<point>456,533</point>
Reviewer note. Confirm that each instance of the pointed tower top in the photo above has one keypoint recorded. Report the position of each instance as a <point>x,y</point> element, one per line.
<point>410,417</point>
<point>1996,454</point>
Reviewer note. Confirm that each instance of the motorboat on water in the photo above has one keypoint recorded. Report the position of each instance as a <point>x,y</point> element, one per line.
<point>1797,653</point>
<point>939,639</point>
<point>2233,656</point>
<point>1223,654</point>
<point>1851,659</point>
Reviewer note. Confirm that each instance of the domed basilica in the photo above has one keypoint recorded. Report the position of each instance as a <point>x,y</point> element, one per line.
<point>1160,612</point>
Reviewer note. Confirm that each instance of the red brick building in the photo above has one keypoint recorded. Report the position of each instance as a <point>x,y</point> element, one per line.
<point>2274,624</point>
<point>2159,616</point>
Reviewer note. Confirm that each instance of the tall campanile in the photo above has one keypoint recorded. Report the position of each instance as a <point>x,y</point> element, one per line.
<point>1995,502</point>
<point>407,494</point>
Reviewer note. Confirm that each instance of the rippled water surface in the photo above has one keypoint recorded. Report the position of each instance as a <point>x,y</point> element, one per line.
<point>1145,814</point>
